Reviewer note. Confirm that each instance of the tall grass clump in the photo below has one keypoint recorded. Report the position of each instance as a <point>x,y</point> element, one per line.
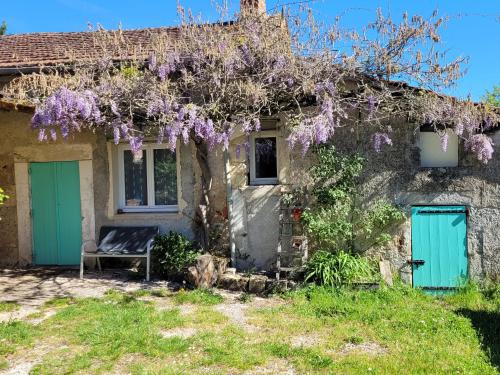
<point>337,269</point>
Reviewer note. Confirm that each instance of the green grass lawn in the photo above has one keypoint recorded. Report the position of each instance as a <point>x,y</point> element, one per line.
<point>314,330</point>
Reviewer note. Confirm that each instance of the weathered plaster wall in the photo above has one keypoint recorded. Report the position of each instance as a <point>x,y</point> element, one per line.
<point>396,175</point>
<point>105,193</point>
<point>19,146</point>
<point>8,223</point>
<point>256,208</point>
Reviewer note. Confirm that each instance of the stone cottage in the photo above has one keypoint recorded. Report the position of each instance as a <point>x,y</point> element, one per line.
<point>62,193</point>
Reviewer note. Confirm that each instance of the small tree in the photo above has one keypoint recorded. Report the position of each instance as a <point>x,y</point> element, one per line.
<point>493,97</point>
<point>336,221</point>
<point>3,28</point>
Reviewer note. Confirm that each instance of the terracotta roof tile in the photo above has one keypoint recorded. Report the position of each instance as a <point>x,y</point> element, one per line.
<point>38,49</point>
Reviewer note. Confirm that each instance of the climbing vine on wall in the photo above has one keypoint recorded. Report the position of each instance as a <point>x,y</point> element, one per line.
<point>336,220</point>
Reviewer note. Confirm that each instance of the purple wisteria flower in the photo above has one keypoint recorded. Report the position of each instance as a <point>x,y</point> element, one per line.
<point>481,145</point>
<point>238,151</point>
<point>68,110</point>
<point>136,146</point>
<point>379,140</point>
<point>372,105</point>
<point>444,142</point>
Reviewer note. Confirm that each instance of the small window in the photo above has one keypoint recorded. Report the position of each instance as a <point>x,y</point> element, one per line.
<point>431,151</point>
<point>149,184</point>
<point>263,159</point>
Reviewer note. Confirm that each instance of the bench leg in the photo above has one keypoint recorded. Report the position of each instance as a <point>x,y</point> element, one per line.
<point>99,264</point>
<point>148,263</point>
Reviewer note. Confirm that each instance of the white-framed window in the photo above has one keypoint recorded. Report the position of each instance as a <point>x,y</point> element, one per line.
<point>431,151</point>
<point>264,158</point>
<point>149,184</point>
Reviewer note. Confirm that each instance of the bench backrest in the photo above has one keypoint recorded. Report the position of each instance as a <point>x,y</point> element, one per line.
<point>125,239</point>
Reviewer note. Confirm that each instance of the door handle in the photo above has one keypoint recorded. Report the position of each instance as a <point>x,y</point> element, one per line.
<point>417,262</point>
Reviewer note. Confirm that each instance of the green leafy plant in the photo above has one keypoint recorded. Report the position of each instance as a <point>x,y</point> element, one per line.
<point>334,270</point>
<point>337,221</point>
<point>206,297</point>
<point>493,97</point>
<point>245,297</point>
<point>3,196</point>
<point>171,254</point>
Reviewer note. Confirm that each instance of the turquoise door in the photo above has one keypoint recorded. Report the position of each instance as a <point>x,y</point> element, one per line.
<point>439,247</point>
<point>56,215</point>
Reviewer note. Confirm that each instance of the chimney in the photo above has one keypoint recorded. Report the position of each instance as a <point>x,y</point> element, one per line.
<point>252,7</point>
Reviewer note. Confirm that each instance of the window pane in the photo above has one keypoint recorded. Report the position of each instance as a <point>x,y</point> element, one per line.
<point>165,177</point>
<point>265,158</point>
<point>136,190</point>
<point>432,154</point>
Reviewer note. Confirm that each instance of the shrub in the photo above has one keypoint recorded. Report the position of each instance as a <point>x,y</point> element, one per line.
<point>336,220</point>
<point>337,269</point>
<point>172,253</point>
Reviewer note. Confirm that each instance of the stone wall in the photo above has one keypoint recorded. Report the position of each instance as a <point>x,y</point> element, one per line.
<point>394,175</point>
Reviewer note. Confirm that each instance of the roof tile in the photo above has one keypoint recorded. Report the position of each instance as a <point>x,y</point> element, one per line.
<point>41,49</point>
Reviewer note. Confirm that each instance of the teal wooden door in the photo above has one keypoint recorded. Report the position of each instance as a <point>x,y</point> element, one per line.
<point>439,247</point>
<point>56,213</point>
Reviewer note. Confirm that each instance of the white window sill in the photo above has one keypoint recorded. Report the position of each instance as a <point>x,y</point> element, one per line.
<point>148,210</point>
<point>438,166</point>
<point>264,181</point>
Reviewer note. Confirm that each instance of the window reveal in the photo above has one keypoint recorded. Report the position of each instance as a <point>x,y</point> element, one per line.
<point>148,184</point>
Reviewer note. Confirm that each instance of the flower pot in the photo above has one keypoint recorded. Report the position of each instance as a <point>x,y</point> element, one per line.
<point>297,214</point>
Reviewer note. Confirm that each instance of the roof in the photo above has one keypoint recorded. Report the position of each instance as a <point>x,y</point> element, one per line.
<point>10,105</point>
<point>21,51</point>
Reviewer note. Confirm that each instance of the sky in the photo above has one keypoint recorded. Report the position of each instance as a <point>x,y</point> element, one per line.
<point>473,29</point>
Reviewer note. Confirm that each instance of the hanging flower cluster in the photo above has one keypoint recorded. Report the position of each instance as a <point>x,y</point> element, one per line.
<point>469,121</point>
<point>214,80</point>
<point>481,145</point>
<point>68,110</point>
<point>379,140</point>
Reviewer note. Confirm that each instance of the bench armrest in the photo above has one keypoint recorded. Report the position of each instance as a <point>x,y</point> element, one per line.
<point>149,246</point>
<point>82,248</point>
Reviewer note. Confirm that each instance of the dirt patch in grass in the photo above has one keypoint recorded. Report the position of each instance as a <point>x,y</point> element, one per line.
<point>21,313</point>
<point>236,312</point>
<point>306,341</point>
<point>370,348</point>
<point>276,366</point>
<point>179,332</point>
<point>24,364</point>
<point>39,317</point>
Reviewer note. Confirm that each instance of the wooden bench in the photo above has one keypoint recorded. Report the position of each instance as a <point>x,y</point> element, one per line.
<point>121,242</point>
